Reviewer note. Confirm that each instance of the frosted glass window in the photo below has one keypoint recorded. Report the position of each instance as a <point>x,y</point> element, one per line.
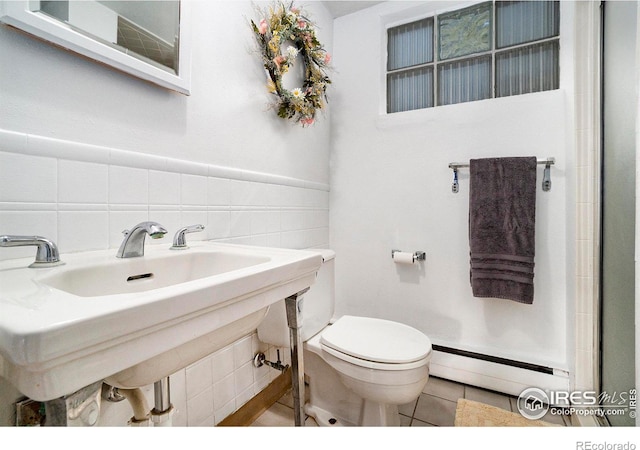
<point>410,89</point>
<point>464,81</point>
<point>527,69</point>
<point>490,49</point>
<point>410,44</point>
<point>526,21</point>
<point>465,31</point>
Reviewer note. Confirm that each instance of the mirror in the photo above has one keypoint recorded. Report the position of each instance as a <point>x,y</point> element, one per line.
<point>147,39</point>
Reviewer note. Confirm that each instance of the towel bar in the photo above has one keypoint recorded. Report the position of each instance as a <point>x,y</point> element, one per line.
<point>546,179</point>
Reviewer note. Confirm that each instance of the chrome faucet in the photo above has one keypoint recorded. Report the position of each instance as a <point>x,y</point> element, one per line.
<point>133,243</point>
<point>180,238</point>
<point>47,254</point>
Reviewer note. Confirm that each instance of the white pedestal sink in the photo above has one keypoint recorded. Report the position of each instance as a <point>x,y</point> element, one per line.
<point>134,321</point>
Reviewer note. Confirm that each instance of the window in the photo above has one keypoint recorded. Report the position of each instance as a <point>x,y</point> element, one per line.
<point>410,66</point>
<point>492,49</point>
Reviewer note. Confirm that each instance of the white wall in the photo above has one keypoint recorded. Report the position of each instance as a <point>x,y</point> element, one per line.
<point>86,152</point>
<point>391,189</point>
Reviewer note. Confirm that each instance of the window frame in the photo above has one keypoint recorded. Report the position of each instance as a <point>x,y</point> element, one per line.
<point>493,53</point>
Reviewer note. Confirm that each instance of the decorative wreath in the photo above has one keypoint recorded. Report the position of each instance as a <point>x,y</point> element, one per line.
<point>288,25</point>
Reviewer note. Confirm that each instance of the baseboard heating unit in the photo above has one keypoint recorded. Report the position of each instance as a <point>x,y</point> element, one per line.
<point>497,374</point>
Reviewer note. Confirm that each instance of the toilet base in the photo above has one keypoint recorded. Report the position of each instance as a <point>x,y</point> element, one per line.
<point>379,415</point>
<point>328,397</point>
<point>322,417</point>
<point>332,403</point>
<point>372,415</point>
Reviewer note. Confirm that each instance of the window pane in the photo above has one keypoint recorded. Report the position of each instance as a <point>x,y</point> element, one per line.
<point>410,44</point>
<point>465,31</point>
<point>464,81</point>
<point>410,89</point>
<point>527,69</point>
<point>518,22</point>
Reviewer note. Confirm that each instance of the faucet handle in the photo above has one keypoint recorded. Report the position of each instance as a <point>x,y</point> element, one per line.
<point>180,239</point>
<point>47,254</point>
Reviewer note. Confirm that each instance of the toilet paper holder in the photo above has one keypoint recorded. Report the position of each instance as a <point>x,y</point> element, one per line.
<point>417,256</point>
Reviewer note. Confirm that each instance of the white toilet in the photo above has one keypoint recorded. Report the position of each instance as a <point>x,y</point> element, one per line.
<point>359,369</point>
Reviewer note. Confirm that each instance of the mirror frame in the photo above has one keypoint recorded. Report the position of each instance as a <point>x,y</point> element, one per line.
<point>17,13</point>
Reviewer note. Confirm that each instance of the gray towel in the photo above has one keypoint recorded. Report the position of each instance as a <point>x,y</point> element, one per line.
<point>502,209</point>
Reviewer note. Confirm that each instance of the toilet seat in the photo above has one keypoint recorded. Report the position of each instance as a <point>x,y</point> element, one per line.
<point>376,343</point>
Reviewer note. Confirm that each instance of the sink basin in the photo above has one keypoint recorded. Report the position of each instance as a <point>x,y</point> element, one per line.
<point>134,321</point>
<point>156,271</point>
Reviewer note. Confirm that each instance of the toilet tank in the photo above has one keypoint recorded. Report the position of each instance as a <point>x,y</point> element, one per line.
<point>317,308</point>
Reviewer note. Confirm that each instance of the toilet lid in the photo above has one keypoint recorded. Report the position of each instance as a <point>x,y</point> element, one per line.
<point>376,340</point>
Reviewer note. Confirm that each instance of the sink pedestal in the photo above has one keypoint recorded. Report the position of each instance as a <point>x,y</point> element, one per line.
<point>295,322</point>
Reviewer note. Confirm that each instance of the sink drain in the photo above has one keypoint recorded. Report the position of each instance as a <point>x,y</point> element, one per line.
<point>142,276</point>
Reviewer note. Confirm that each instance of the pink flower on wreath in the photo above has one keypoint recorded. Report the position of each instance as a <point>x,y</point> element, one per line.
<point>307,121</point>
<point>295,10</point>
<point>302,24</point>
<point>327,58</point>
<point>263,26</point>
<point>278,60</point>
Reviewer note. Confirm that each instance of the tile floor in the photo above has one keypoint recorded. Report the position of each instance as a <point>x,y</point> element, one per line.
<point>436,406</point>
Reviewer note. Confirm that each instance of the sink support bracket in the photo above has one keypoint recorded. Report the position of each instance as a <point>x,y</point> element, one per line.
<point>293,306</point>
